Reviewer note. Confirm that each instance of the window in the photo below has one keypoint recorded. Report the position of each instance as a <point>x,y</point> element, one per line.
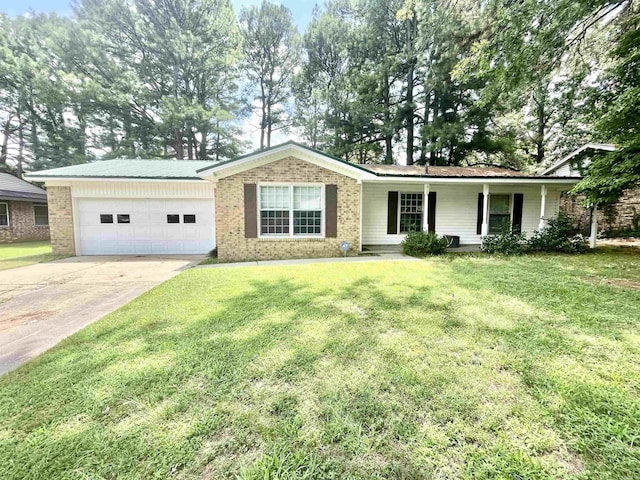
<point>291,210</point>
<point>189,218</point>
<point>172,218</point>
<point>307,210</point>
<point>106,218</point>
<point>410,212</point>
<point>499,211</point>
<point>4,214</point>
<point>41,215</point>
<point>124,218</point>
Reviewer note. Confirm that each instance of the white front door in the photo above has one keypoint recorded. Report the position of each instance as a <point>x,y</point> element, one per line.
<point>145,226</point>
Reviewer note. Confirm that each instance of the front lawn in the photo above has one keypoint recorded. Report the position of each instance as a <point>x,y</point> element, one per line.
<point>13,255</point>
<point>454,367</point>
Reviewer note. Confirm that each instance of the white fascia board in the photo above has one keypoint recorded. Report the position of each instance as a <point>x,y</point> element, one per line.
<point>477,180</point>
<point>264,158</point>
<point>66,181</point>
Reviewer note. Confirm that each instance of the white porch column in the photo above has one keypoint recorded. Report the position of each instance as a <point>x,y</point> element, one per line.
<point>543,204</point>
<point>594,227</point>
<point>485,210</point>
<point>425,208</point>
<point>361,213</point>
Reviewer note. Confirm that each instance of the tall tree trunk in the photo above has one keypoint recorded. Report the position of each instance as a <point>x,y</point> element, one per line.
<point>434,109</point>
<point>6,131</point>
<point>269,124</point>
<point>263,120</point>
<point>190,145</point>
<point>20,146</point>
<point>410,115</point>
<point>388,135</point>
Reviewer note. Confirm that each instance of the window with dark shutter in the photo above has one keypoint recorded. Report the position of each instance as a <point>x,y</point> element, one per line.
<point>431,214</point>
<point>331,209</point>
<point>480,213</point>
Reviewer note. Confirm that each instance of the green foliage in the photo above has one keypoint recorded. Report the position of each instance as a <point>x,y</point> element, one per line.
<point>558,235</point>
<point>271,50</point>
<point>421,244</point>
<point>507,242</point>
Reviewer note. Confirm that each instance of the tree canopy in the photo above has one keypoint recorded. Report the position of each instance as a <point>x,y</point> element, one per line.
<point>443,82</point>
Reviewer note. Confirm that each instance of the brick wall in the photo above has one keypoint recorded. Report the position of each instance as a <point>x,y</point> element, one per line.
<point>61,220</point>
<point>620,216</point>
<point>231,242</point>
<point>21,224</point>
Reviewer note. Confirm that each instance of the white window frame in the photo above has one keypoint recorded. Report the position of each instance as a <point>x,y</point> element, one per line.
<point>8,225</point>
<point>400,210</point>
<point>291,209</point>
<point>34,205</point>
<point>510,195</point>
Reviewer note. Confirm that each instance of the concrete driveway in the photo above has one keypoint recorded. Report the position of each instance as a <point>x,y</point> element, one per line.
<point>44,303</point>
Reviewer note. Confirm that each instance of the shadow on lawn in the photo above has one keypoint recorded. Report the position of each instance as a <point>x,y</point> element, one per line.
<point>365,377</point>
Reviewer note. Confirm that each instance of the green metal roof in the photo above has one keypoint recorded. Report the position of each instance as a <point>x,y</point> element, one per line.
<point>129,168</point>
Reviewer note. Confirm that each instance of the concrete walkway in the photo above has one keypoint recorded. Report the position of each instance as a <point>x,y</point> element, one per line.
<point>303,261</point>
<point>42,304</point>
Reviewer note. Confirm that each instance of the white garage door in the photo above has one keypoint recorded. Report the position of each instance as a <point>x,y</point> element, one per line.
<point>144,226</point>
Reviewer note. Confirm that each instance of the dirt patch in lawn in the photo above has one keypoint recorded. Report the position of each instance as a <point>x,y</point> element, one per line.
<point>616,282</point>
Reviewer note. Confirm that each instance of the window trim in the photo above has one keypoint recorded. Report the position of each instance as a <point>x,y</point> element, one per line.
<point>399,221</point>
<point>33,207</point>
<point>291,186</point>
<point>8,225</point>
<point>510,195</point>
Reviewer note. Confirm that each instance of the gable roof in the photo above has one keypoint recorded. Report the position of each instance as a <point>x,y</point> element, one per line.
<point>14,188</point>
<point>606,147</point>
<point>200,170</point>
<point>128,168</point>
<point>289,148</point>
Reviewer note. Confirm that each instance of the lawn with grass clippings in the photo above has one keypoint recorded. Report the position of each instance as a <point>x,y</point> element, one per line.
<point>463,366</point>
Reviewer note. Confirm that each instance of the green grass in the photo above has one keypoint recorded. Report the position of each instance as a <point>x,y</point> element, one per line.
<point>21,254</point>
<point>463,366</point>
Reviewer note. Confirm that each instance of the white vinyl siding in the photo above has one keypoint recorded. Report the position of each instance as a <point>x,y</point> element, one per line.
<point>456,209</point>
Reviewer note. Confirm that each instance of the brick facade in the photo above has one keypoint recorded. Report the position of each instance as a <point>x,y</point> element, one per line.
<point>230,236</point>
<point>622,216</point>
<point>61,220</point>
<point>22,224</point>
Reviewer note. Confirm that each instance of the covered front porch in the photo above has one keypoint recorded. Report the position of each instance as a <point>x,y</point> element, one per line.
<point>466,209</point>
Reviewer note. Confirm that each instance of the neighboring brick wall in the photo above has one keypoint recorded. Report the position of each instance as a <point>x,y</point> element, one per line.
<point>21,224</point>
<point>231,242</point>
<point>61,220</point>
<point>624,215</point>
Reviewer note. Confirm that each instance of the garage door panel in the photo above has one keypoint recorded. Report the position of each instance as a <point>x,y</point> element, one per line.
<point>148,231</point>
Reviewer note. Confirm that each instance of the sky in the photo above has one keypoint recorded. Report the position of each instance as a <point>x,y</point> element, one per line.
<point>301,9</point>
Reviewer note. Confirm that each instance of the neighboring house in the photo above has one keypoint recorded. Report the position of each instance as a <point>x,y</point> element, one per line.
<point>23,210</point>
<point>620,218</point>
<point>285,201</point>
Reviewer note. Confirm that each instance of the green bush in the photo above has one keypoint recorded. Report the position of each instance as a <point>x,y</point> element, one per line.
<point>421,244</point>
<point>557,236</point>
<point>507,242</point>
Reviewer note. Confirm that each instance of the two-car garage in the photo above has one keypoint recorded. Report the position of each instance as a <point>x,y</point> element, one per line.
<point>129,226</point>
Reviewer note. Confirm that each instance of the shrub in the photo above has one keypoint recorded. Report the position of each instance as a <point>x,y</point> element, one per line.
<point>420,244</point>
<point>557,236</point>
<point>213,253</point>
<point>506,242</point>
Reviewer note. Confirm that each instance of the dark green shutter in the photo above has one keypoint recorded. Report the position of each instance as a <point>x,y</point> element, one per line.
<point>431,213</point>
<point>480,208</point>
<point>392,213</point>
<point>331,210</point>
<point>250,211</point>
<point>518,201</point>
